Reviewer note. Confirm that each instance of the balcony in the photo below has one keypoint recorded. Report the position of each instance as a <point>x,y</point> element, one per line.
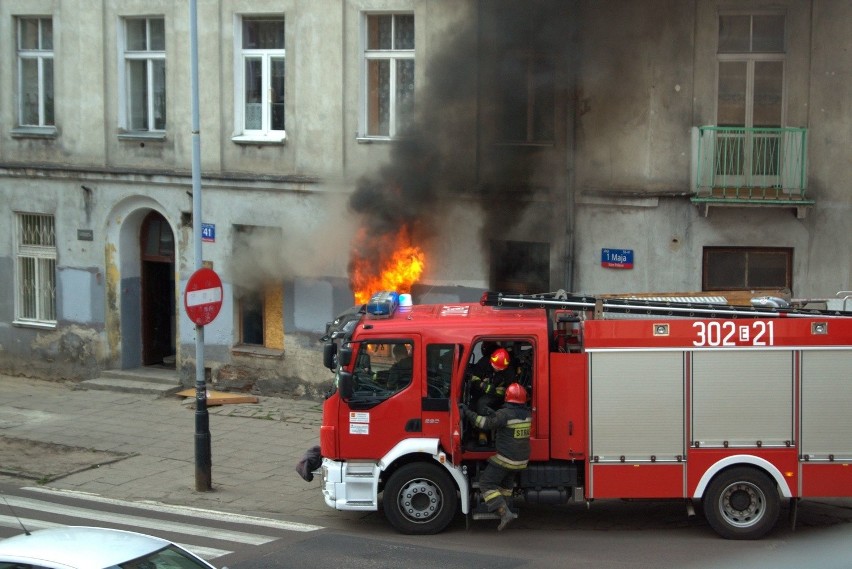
<point>750,167</point>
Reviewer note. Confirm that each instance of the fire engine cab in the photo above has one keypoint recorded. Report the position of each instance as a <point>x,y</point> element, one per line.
<point>740,408</point>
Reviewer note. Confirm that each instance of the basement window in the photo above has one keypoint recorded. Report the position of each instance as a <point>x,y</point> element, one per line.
<point>520,267</point>
<point>747,268</point>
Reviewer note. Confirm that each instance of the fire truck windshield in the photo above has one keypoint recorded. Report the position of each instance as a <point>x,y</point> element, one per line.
<point>381,369</point>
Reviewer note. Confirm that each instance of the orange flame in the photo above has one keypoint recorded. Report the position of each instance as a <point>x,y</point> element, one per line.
<point>400,268</point>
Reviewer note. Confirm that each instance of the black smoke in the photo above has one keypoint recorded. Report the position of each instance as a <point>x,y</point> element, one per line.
<point>476,72</point>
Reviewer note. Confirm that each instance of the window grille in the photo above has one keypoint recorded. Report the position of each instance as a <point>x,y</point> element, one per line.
<point>36,269</point>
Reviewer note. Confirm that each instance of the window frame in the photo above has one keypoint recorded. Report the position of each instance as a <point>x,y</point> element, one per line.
<point>149,56</point>
<point>266,134</point>
<point>741,148</point>
<point>261,289</point>
<point>750,58</point>
<point>40,55</point>
<point>393,56</point>
<point>45,316</point>
<point>746,250</point>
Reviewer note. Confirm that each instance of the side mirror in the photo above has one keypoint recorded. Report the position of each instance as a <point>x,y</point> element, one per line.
<point>329,350</point>
<point>345,385</point>
<point>344,357</point>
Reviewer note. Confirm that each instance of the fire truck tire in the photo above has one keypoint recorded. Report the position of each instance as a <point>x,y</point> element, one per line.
<point>420,498</point>
<point>742,503</point>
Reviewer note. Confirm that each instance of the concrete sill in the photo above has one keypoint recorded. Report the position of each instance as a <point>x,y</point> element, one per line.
<point>34,132</point>
<point>142,136</point>
<point>257,352</point>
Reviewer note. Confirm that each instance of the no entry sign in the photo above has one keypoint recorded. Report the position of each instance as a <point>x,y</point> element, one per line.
<point>203,296</point>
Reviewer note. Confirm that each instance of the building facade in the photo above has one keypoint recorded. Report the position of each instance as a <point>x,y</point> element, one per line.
<point>595,146</point>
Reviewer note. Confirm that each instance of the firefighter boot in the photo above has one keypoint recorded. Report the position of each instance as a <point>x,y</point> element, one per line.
<point>506,516</point>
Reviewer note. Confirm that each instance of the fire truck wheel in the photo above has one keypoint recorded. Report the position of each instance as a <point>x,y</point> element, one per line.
<point>742,503</point>
<point>419,499</point>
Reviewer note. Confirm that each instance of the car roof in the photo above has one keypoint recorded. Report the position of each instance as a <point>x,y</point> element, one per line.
<point>79,547</point>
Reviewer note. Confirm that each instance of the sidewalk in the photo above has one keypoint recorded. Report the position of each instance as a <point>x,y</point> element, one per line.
<point>141,447</point>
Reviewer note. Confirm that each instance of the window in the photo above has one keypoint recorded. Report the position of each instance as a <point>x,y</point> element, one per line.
<point>746,268</point>
<point>520,267</point>
<point>144,75</point>
<point>259,292</point>
<point>158,242</point>
<point>439,373</point>
<point>35,279</point>
<point>389,74</point>
<point>382,369</point>
<point>527,97</point>
<point>750,93</point>
<point>260,79</point>
<point>35,72</point>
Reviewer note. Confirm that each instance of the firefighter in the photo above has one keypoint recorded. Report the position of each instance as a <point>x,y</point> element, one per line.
<point>490,376</point>
<point>512,422</point>
<point>492,380</point>
<point>399,374</point>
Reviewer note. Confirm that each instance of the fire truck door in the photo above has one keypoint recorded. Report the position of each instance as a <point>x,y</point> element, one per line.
<point>438,413</point>
<point>385,406</point>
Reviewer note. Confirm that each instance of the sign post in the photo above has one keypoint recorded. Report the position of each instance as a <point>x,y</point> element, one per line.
<point>202,300</point>
<point>203,476</point>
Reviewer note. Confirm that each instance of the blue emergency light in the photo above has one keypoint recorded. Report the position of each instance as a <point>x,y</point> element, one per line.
<point>383,303</point>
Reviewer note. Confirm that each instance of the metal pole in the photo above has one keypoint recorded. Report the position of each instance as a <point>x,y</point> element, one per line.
<point>203,474</point>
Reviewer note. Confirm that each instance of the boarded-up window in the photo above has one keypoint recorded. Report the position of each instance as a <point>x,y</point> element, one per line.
<point>256,266</point>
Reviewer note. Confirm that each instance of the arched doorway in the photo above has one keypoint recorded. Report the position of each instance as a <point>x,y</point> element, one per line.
<point>157,248</point>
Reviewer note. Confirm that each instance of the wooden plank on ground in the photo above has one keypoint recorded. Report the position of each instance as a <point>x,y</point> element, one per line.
<point>219,397</point>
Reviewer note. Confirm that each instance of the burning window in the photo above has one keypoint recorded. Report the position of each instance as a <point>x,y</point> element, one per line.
<point>389,73</point>
<point>380,264</point>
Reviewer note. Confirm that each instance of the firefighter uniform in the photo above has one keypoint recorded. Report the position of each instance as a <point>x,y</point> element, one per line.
<point>512,423</point>
<point>492,387</point>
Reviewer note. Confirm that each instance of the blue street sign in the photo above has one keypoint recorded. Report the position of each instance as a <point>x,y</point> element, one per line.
<point>617,258</point>
<point>208,232</point>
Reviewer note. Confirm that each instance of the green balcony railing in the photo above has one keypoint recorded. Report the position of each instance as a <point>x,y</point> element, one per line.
<point>757,165</point>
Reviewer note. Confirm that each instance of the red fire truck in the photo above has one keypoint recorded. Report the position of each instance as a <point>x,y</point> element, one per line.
<point>738,408</point>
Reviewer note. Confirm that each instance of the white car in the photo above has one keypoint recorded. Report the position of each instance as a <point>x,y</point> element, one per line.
<point>94,548</point>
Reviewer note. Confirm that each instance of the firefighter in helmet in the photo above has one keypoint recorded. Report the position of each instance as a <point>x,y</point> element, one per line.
<point>512,423</point>
<point>490,376</point>
<point>492,379</point>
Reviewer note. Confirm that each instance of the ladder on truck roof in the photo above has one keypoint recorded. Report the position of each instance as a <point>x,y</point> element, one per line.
<point>765,307</point>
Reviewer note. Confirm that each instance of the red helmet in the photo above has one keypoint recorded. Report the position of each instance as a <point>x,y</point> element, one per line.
<point>500,359</point>
<point>516,393</point>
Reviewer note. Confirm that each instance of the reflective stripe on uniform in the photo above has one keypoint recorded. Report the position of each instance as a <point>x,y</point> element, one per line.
<point>508,463</point>
<point>492,495</point>
<point>520,428</point>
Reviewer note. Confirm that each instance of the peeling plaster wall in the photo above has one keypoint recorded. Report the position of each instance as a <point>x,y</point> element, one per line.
<point>642,75</point>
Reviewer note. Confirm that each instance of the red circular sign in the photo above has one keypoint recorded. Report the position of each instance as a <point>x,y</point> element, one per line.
<point>203,296</point>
